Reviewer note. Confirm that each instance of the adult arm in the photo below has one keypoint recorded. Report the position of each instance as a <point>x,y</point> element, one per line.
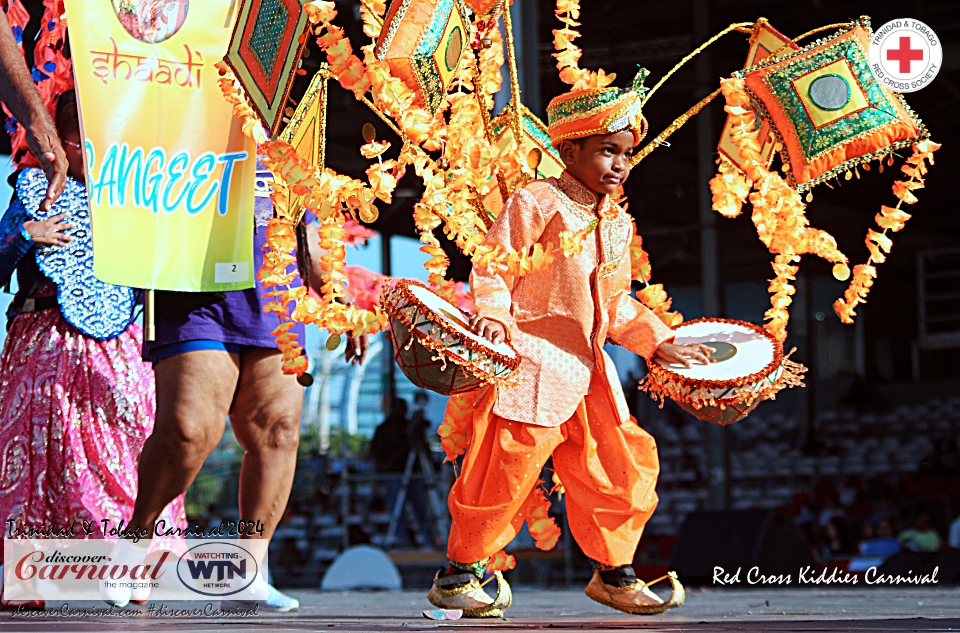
<point>20,95</point>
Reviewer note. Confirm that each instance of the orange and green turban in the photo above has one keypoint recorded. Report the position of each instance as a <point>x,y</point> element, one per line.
<point>582,113</point>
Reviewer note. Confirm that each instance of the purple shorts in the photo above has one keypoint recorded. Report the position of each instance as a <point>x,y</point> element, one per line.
<point>238,319</point>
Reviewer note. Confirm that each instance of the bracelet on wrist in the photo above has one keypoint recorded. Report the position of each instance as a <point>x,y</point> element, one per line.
<point>26,234</point>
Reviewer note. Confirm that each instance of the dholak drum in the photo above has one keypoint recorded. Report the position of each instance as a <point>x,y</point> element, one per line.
<point>748,367</point>
<point>435,347</point>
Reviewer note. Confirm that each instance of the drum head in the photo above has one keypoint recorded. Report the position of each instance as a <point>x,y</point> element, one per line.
<point>456,319</point>
<point>741,349</point>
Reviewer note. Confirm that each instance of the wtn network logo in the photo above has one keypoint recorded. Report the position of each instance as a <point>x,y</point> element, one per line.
<point>218,568</point>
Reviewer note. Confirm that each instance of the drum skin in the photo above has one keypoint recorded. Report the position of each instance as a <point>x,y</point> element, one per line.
<point>725,399</point>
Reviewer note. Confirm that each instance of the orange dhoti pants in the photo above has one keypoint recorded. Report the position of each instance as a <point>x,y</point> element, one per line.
<point>609,471</point>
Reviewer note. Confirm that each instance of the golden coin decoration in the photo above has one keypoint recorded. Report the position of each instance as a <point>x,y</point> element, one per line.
<point>305,380</point>
<point>369,214</point>
<point>534,158</point>
<point>333,342</point>
<point>841,272</point>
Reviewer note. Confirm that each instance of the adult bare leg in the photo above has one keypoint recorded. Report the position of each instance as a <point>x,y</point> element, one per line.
<point>265,417</point>
<point>194,392</point>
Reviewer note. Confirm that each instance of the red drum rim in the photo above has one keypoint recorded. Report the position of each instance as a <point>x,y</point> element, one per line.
<point>664,375</point>
<point>402,289</point>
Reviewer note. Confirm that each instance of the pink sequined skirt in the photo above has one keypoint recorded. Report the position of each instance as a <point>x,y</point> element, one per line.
<point>74,415</point>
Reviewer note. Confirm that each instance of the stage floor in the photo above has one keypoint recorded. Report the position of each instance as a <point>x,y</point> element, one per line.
<point>714,610</point>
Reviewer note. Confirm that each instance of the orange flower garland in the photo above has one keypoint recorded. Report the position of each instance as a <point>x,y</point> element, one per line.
<point>297,186</point>
<point>730,189</point>
<point>501,561</point>
<point>652,296</point>
<point>889,219</point>
<point>457,424</point>
<point>542,527</point>
<point>778,211</point>
<point>568,54</point>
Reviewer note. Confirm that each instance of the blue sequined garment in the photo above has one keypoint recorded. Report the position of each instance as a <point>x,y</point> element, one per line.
<point>97,309</point>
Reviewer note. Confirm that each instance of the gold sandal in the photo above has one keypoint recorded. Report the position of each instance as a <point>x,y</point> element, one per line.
<point>469,595</point>
<point>617,598</point>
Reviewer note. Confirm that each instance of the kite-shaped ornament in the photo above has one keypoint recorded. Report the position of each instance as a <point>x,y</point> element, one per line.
<point>265,50</point>
<point>828,110</point>
<point>423,41</point>
<point>308,125</point>
<point>764,41</point>
<point>535,138</point>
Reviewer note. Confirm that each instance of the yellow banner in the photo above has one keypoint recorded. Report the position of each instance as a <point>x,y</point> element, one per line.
<point>169,172</point>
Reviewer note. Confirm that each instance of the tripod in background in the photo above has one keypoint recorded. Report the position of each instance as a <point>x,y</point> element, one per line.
<point>434,505</point>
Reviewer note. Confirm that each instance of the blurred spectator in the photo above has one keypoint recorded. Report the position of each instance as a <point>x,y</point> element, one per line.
<point>954,536</point>
<point>921,537</point>
<point>829,510</point>
<point>419,425</point>
<point>836,542</point>
<point>390,446</point>
<point>850,491</point>
<point>878,539</point>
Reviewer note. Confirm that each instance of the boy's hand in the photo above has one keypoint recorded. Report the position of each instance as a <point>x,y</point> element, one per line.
<point>489,329</point>
<point>684,354</point>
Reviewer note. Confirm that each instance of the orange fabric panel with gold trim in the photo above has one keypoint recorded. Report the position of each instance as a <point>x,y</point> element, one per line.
<point>764,41</point>
<point>306,129</point>
<point>423,41</point>
<point>482,7</point>
<point>828,110</point>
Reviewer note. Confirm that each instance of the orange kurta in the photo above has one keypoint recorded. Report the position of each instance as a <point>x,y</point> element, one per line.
<point>559,318</point>
<point>568,403</point>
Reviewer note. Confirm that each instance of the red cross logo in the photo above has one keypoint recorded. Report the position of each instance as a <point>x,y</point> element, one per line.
<point>905,54</point>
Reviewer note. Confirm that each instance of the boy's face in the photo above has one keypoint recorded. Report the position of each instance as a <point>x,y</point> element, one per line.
<point>601,162</point>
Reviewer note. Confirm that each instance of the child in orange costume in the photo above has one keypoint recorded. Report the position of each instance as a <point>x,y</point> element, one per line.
<point>568,403</point>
